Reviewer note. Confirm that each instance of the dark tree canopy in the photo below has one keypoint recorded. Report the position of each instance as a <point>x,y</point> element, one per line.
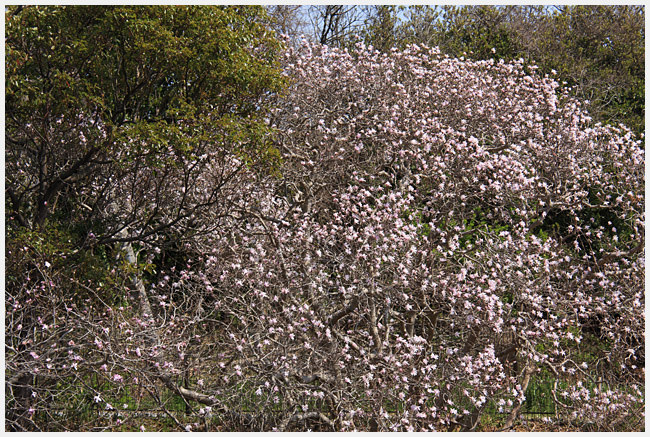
<point>86,85</point>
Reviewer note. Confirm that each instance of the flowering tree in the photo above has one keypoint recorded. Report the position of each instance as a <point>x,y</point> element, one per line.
<point>444,231</point>
<point>439,233</point>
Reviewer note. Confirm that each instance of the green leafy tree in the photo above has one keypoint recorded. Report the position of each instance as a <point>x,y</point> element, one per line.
<point>380,28</point>
<point>90,88</point>
<point>419,25</point>
<point>124,124</point>
<point>599,50</point>
<point>479,32</point>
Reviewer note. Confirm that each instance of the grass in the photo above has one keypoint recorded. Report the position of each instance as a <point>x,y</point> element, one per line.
<point>77,408</point>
